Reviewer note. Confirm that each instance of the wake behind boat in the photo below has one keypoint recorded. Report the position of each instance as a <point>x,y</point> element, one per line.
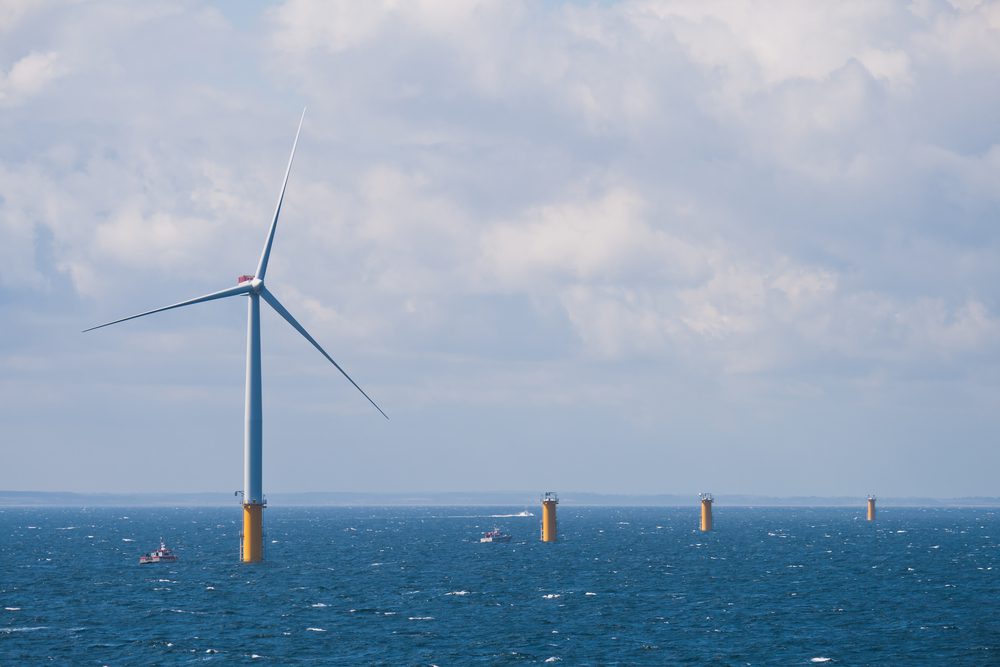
<point>523,513</point>
<point>495,535</point>
<point>161,555</point>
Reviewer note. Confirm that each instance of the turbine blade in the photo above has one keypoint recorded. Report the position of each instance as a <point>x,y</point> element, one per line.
<point>266,252</point>
<point>271,299</point>
<point>221,294</point>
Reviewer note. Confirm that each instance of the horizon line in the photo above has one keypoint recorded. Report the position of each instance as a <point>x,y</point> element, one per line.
<point>11,498</point>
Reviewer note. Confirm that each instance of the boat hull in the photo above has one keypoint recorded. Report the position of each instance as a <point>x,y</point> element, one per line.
<point>147,560</point>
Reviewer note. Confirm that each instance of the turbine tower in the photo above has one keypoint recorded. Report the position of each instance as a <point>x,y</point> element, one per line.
<point>252,545</point>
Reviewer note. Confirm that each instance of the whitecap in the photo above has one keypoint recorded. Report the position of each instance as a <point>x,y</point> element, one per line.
<point>821,659</point>
<point>127,539</point>
<point>551,596</point>
<point>554,658</point>
<point>254,656</point>
<point>421,618</point>
<point>23,629</point>
<point>458,593</point>
<point>319,605</point>
<point>210,650</point>
<point>588,593</point>
<point>315,630</point>
<point>12,609</point>
<point>209,588</point>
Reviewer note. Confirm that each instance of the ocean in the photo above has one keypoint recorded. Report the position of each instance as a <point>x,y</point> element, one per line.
<point>414,586</point>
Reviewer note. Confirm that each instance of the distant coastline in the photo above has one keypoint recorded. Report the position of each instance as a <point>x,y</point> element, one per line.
<point>518,499</point>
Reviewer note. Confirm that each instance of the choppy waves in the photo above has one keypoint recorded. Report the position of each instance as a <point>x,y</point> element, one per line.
<point>414,586</point>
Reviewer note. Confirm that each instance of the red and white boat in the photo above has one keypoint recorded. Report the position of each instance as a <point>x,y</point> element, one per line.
<point>495,535</point>
<point>161,555</point>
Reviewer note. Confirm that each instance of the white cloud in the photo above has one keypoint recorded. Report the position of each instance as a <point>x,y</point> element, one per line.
<point>156,241</point>
<point>894,66</point>
<point>731,204</point>
<point>603,239</point>
<point>28,77</point>
<point>965,39</point>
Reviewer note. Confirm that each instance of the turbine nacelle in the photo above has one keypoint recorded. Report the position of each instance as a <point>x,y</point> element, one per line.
<point>255,284</point>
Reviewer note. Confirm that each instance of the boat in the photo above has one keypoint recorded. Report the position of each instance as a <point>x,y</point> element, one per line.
<point>495,535</point>
<point>161,555</point>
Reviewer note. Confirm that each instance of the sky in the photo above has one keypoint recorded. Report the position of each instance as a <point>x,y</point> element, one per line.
<point>619,247</point>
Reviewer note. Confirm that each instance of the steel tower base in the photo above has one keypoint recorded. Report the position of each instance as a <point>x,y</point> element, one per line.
<point>549,502</point>
<point>252,546</point>
<point>706,512</point>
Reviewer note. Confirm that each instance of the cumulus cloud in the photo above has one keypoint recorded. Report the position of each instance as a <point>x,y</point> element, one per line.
<point>28,76</point>
<point>605,239</point>
<point>727,203</point>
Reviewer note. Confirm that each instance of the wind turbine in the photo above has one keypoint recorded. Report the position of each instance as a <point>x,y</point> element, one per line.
<point>252,545</point>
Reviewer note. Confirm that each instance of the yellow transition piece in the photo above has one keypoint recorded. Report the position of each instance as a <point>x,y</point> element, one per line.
<point>549,502</point>
<point>706,513</point>
<point>253,533</point>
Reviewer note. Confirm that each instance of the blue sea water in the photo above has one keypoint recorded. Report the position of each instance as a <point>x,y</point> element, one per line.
<point>413,586</point>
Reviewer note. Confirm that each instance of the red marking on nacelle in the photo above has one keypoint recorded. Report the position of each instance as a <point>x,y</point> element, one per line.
<point>243,279</point>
